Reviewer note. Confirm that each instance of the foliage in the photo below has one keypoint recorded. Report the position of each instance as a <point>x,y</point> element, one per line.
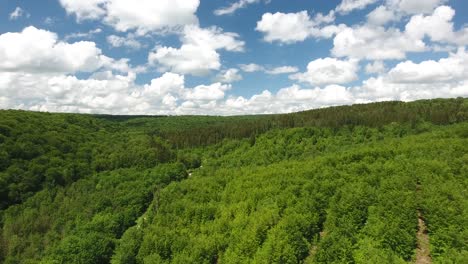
<point>336,185</point>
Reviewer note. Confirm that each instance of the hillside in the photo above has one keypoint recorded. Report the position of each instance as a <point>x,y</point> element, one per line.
<point>348,184</point>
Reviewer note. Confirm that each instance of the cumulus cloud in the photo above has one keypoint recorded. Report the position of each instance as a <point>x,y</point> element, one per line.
<point>328,71</point>
<point>347,6</point>
<point>294,27</point>
<point>105,92</point>
<point>85,9</point>
<point>415,6</point>
<point>37,50</point>
<point>290,99</point>
<point>438,27</point>
<point>229,76</point>
<point>375,43</point>
<point>188,59</point>
<point>375,67</point>
<point>451,69</point>
<point>382,15</point>
<point>213,38</point>
<point>198,54</point>
<point>143,16</point>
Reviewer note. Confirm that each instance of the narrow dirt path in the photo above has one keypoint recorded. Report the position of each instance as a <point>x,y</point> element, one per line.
<point>313,250</point>
<point>423,253</point>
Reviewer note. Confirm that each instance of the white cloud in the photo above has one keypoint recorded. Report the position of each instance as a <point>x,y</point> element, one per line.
<point>347,6</point>
<point>381,16</point>
<point>415,6</point>
<point>198,54</point>
<point>211,92</point>
<point>252,67</point>
<point>445,78</point>
<point>383,89</point>
<point>107,93</point>
<point>129,41</point>
<point>17,13</point>
<point>293,27</point>
<point>235,6</point>
<point>282,70</point>
<point>189,59</point>
<point>213,38</point>
<point>118,94</point>
<point>375,43</point>
<point>451,69</point>
<point>438,27</point>
<point>229,76</point>
<point>143,15</point>
<point>328,71</point>
<point>290,99</point>
<point>85,9</point>
<point>83,35</point>
<point>375,67</point>
<point>36,50</point>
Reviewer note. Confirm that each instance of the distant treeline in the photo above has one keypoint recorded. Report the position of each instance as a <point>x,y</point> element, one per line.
<point>438,111</point>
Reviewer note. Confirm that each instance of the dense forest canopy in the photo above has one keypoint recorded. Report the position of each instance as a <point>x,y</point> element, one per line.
<point>346,184</point>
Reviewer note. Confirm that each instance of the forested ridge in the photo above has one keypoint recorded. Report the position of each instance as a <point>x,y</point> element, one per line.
<point>343,184</point>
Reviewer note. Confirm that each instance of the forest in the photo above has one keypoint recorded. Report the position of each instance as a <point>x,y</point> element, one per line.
<point>347,184</point>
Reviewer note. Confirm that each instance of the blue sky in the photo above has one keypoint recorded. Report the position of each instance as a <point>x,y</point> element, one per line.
<point>228,57</point>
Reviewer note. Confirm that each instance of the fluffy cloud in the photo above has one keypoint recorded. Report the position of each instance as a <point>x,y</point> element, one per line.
<point>211,92</point>
<point>328,71</point>
<point>105,92</point>
<point>36,50</point>
<point>381,16</point>
<point>293,27</point>
<point>143,15</point>
<point>198,54</point>
<point>229,76</point>
<point>85,9</point>
<point>415,6</point>
<point>290,99</point>
<point>189,59</point>
<point>375,43</point>
<point>347,6</point>
<point>56,92</point>
<point>438,27</point>
<point>375,67</point>
<point>451,69</point>
<point>213,38</point>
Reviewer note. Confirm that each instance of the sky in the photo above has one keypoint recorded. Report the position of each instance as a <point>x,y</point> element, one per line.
<point>228,57</point>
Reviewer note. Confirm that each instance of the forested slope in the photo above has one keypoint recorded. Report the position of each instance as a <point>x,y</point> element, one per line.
<point>335,185</point>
